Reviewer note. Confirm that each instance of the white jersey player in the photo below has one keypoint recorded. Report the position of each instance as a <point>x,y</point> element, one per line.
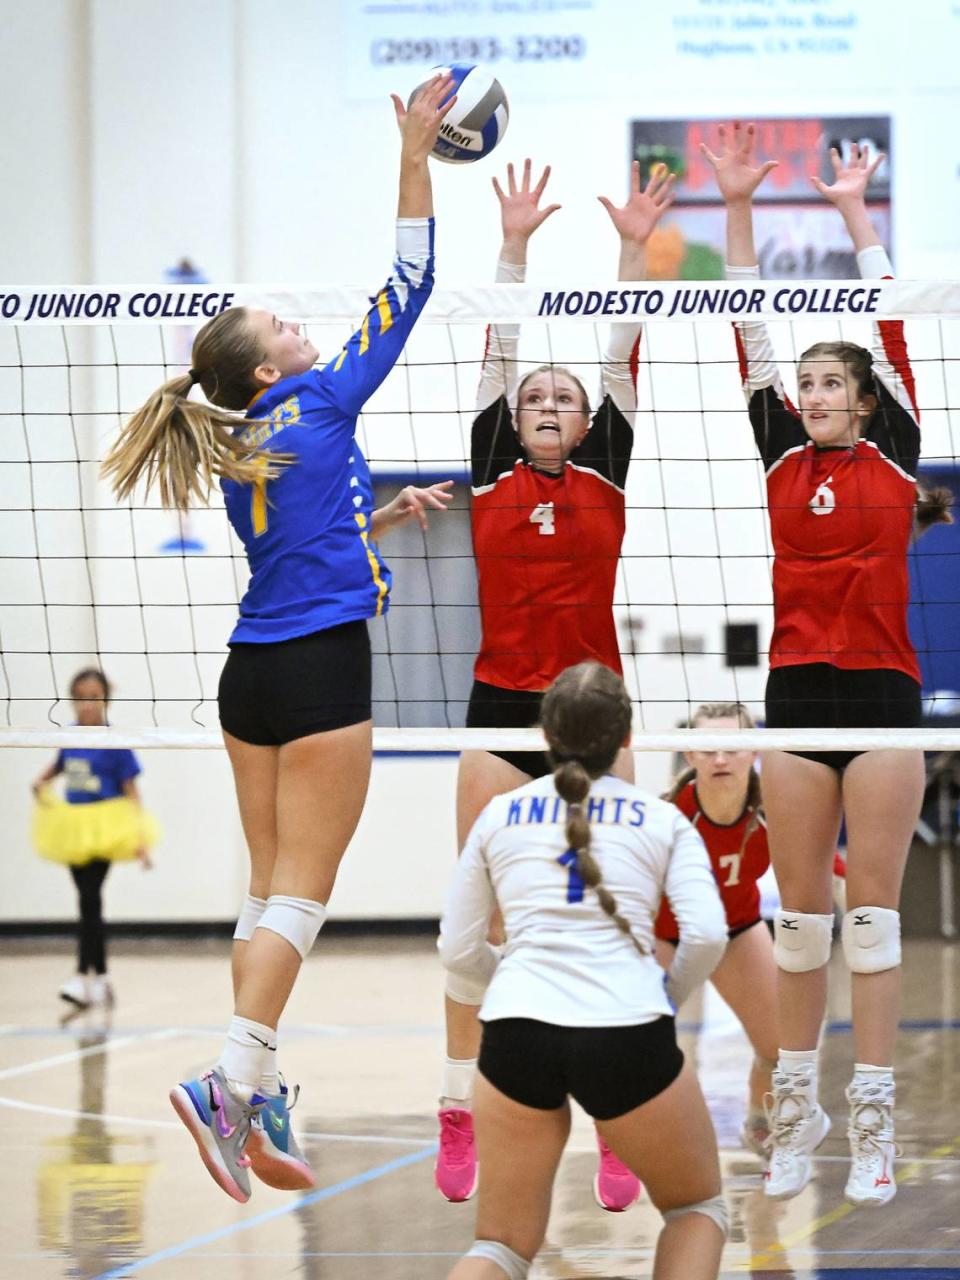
<point>577,1006</point>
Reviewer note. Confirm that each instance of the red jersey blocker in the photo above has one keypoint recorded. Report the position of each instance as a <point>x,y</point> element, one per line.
<point>547,548</point>
<point>841,518</point>
<point>739,856</point>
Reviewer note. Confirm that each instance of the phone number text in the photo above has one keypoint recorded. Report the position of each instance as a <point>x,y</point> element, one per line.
<point>487,49</point>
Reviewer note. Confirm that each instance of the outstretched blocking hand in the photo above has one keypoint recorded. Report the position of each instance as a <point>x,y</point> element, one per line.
<point>420,124</point>
<point>643,210</point>
<point>850,180</point>
<point>737,175</point>
<point>520,212</point>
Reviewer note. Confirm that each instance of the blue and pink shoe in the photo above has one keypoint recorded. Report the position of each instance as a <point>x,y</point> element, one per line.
<point>272,1149</point>
<point>220,1124</point>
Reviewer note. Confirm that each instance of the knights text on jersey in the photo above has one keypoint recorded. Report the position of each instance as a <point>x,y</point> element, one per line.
<point>547,549</point>
<point>566,962</point>
<point>313,563</point>
<point>841,520</point>
<point>737,863</point>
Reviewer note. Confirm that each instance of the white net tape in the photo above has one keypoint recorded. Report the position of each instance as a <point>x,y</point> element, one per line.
<point>153,598</point>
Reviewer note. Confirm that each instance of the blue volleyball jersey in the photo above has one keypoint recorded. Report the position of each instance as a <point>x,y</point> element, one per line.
<point>95,773</point>
<point>313,563</point>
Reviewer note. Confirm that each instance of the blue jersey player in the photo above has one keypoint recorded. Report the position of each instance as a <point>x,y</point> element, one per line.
<point>295,694</point>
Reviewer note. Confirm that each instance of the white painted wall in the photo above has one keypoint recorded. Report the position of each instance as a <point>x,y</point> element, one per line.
<point>239,133</point>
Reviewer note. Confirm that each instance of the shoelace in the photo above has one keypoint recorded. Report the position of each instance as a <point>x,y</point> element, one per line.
<point>868,1137</point>
<point>782,1134</point>
<point>454,1141</point>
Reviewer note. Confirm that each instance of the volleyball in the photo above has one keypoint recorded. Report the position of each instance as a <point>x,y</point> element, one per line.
<point>479,117</point>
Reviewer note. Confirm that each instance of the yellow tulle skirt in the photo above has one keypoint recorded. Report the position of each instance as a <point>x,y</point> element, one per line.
<point>76,833</point>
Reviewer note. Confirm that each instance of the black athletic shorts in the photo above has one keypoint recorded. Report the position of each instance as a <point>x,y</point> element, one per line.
<point>273,693</point>
<point>733,932</point>
<point>819,695</point>
<point>491,707</point>
<point>608,1070</point>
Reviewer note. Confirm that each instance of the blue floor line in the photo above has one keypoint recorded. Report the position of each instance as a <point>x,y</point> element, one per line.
<point>315,1197</point>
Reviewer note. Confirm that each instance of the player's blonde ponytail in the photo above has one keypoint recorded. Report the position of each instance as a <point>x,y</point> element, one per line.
<point>183,446</point>
<point>586,718</point>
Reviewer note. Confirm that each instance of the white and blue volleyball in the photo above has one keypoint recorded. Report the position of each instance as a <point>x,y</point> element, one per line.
<point>479,117</point>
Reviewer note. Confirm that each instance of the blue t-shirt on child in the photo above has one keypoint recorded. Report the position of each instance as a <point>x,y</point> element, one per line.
<point>95,773</point>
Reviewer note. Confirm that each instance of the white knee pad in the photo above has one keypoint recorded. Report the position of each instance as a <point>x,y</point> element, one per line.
<point>465,990</point>
<point>249,917</point>
<point>871,939</point>
<point>715,1209</point>
<point>801,942</point>
<point>297,920</point>
<point>508,1261</point>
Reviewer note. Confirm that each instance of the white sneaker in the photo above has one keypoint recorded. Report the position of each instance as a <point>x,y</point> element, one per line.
<point>755,1133</point>
<point>101,991</point>
<point>77,991</point>
<point>797,1127</point>
<point>872,1147</point>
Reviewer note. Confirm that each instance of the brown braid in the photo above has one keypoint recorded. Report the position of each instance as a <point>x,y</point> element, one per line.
<point>586,717</point>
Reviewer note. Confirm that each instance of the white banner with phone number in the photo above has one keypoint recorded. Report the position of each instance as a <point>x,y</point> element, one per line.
<point>391,42</point>
<point>545,49</point>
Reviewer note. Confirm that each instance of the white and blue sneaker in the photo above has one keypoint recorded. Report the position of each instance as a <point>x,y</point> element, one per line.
<point>219,1123</point>
<point>272,1149</point>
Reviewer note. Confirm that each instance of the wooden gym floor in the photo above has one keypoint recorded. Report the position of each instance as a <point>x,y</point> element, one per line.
<point>98,1178</point>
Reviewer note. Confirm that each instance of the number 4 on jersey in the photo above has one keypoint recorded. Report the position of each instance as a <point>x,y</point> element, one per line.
<point>543,516</point>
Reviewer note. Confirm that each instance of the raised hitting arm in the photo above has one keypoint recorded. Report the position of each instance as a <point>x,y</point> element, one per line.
<point>419,127</point>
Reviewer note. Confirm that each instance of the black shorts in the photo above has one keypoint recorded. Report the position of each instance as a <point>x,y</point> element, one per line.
<point>491,707</point>
<point>734,931</point>
<point>273,693</point>
<point>608,1070</point>
<point>819,695</point>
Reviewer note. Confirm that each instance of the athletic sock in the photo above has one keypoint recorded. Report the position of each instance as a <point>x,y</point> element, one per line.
<point>865,1073</point>
<point>457,1088</point>
<point>800,1064</point>
<point>270,1080</point>
<point>246,1054</point>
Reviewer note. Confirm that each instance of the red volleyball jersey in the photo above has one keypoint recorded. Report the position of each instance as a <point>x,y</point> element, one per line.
<point>737,863</point>
<point>547,549</point>
<point>841,519</point>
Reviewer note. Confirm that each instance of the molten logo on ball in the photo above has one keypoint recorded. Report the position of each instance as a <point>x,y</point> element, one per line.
<point>479,117</point>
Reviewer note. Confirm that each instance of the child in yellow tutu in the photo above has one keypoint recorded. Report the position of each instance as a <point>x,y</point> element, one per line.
<point>99,821</point>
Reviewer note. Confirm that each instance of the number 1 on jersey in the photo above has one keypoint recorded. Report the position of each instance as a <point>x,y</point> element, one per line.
<point>575,885</point>
<point>543,516</point>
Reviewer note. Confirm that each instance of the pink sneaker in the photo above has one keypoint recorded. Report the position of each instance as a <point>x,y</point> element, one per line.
<point>615,1188</point>
<point>455,1171</point>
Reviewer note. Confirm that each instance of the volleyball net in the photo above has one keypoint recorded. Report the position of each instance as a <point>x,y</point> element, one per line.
<point>150,596</point>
